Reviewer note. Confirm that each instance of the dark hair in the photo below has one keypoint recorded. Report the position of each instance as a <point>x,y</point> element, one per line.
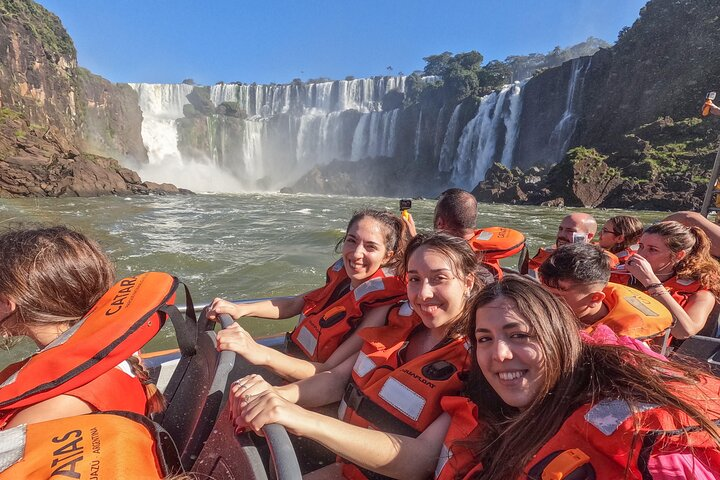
<point>697,264</point>
<point>630,227</point>
<point>457,209</point>
<point>395,232</point>
<point>463,262</point>
<point>54,275</point>
<point>576,373</point>
<point>581,263</point>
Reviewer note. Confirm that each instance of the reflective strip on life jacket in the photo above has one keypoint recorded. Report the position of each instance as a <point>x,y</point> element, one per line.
<point>331,313</point>
<point>117,326</point>
<point>403,398</point>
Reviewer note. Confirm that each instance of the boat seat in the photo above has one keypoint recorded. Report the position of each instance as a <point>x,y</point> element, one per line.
<point>706,349</point>
<point>196,392</point>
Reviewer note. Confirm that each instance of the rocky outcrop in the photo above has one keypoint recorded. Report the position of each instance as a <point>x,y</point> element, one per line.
<point>39,162</point>
<point>109,119</point>
<point>59,123</point>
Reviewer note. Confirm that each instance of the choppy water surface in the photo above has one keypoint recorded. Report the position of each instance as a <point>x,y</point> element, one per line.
<point>246,245</point>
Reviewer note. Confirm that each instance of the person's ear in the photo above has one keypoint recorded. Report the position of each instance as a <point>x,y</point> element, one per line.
<point>679,256</point>
<point>7,306</point>
<point>620,238</point>
<point>469,284</point>
<point>439,223</point>
<point>590,236</point>
<point>597,297</point>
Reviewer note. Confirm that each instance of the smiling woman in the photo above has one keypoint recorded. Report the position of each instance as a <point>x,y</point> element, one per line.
<point>538,387</point>
<point>330,316</point>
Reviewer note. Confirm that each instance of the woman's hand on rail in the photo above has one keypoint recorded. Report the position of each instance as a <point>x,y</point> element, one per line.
<point>247,387</point>
<point>238,340</point>
<point>256,411</point>
<point>219,306</point>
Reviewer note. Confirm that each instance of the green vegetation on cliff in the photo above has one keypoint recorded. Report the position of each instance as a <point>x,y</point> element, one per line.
<point>45,26</point>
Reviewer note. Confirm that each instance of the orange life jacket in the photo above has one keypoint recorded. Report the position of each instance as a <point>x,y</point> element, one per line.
<point>633,313</point>
<point>596,440</point>
<point>535,262</point>
<point>624,255</point>
<point>682,289</point>
<point>396,397</point>
<point>332,312</point>
<point>456,458</point>
<point>494,243</point>
<point>94,446</point>
<point>599,438</point>
<point>543,253</point>
<point>116,327</point>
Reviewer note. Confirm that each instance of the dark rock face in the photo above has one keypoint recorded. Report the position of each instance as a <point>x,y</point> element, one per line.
<point>109,119</point>
<point>58,122</point>
<point>39,162</point>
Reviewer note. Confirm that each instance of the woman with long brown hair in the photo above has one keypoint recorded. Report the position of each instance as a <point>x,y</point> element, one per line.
<point>391,390</point>
<point>620,234</point>
<point>330,316</point>
<point>549,404</point>
<point>673,264</point>
<point>49,280</point>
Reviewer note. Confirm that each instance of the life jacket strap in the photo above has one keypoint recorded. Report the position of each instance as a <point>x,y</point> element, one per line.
<point>375,414</point>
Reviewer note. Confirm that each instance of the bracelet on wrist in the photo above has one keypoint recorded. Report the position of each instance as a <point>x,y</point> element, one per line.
<point>653,285</point>
<point>659,292</point>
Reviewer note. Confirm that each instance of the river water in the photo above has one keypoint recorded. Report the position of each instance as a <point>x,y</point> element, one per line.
<point>243,246</point>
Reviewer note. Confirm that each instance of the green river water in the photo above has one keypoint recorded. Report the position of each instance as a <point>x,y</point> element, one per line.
<point>243,246</point>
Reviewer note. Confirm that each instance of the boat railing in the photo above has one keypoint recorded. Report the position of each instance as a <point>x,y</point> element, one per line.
<point>200,306</point>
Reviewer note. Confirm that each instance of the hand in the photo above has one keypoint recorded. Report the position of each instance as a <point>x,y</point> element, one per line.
<point>246,388</point>
<point>256,411</point>
<point>640,268</point>
<point>219,306</point>
<point>410,224</point>
<point>238,340</point>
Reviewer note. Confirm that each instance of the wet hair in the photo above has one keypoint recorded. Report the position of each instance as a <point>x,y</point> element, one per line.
<point>457,209</point>
<point>580,263</point>
<point>630,227</point>
<point>55,275</point>
<point>697,263</point>
<point>395,233</point>
<point>463,262</point>
<point>575,373</point>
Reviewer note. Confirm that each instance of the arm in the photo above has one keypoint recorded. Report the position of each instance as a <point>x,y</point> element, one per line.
<point>321,389</point>
<point>392,455</point>
<point>278,307</point>
<point>688,320</point>
<point>58,407</point>
<point>241,342</point>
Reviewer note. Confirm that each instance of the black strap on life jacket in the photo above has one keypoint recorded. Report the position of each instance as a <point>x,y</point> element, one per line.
<point>375,414</point>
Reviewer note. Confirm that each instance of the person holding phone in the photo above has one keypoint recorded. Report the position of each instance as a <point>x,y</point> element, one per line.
<point>574,228</point>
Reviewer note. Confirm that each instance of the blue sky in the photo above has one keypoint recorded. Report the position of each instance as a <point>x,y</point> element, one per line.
<point>164,41</point>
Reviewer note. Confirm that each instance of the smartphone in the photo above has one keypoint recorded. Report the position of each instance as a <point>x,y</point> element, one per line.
<point>579,237</point>
<point>711,96</point>
<point>405,205</point>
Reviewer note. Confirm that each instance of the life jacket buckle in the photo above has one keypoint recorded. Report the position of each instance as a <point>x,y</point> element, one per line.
<point>353,396</point>
<point>567,465</point>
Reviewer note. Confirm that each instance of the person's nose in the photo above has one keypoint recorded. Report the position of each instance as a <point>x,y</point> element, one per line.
<point>426,290</point>
<point>501,351</point>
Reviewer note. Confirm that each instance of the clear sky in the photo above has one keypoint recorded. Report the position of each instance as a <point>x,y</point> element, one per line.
<point>166,41</point>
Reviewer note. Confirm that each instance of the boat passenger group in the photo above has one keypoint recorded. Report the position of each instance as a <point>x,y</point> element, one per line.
<point>444,365</point>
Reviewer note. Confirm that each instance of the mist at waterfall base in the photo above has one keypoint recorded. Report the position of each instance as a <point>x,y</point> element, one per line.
<point>244,245</point>
<point>291,128</point>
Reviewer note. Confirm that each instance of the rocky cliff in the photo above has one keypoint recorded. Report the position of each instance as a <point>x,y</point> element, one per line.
<point>59,122</point>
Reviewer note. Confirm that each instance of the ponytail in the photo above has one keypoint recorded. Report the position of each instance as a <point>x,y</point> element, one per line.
<point>699,265</point>
<point>155,399</point>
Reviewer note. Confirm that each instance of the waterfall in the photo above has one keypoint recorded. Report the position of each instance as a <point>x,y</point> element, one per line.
<point>448,145</point>
<point>418,133</point>
<point>512,122</point>
<point>563,131</point>
<point>283,132</point>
